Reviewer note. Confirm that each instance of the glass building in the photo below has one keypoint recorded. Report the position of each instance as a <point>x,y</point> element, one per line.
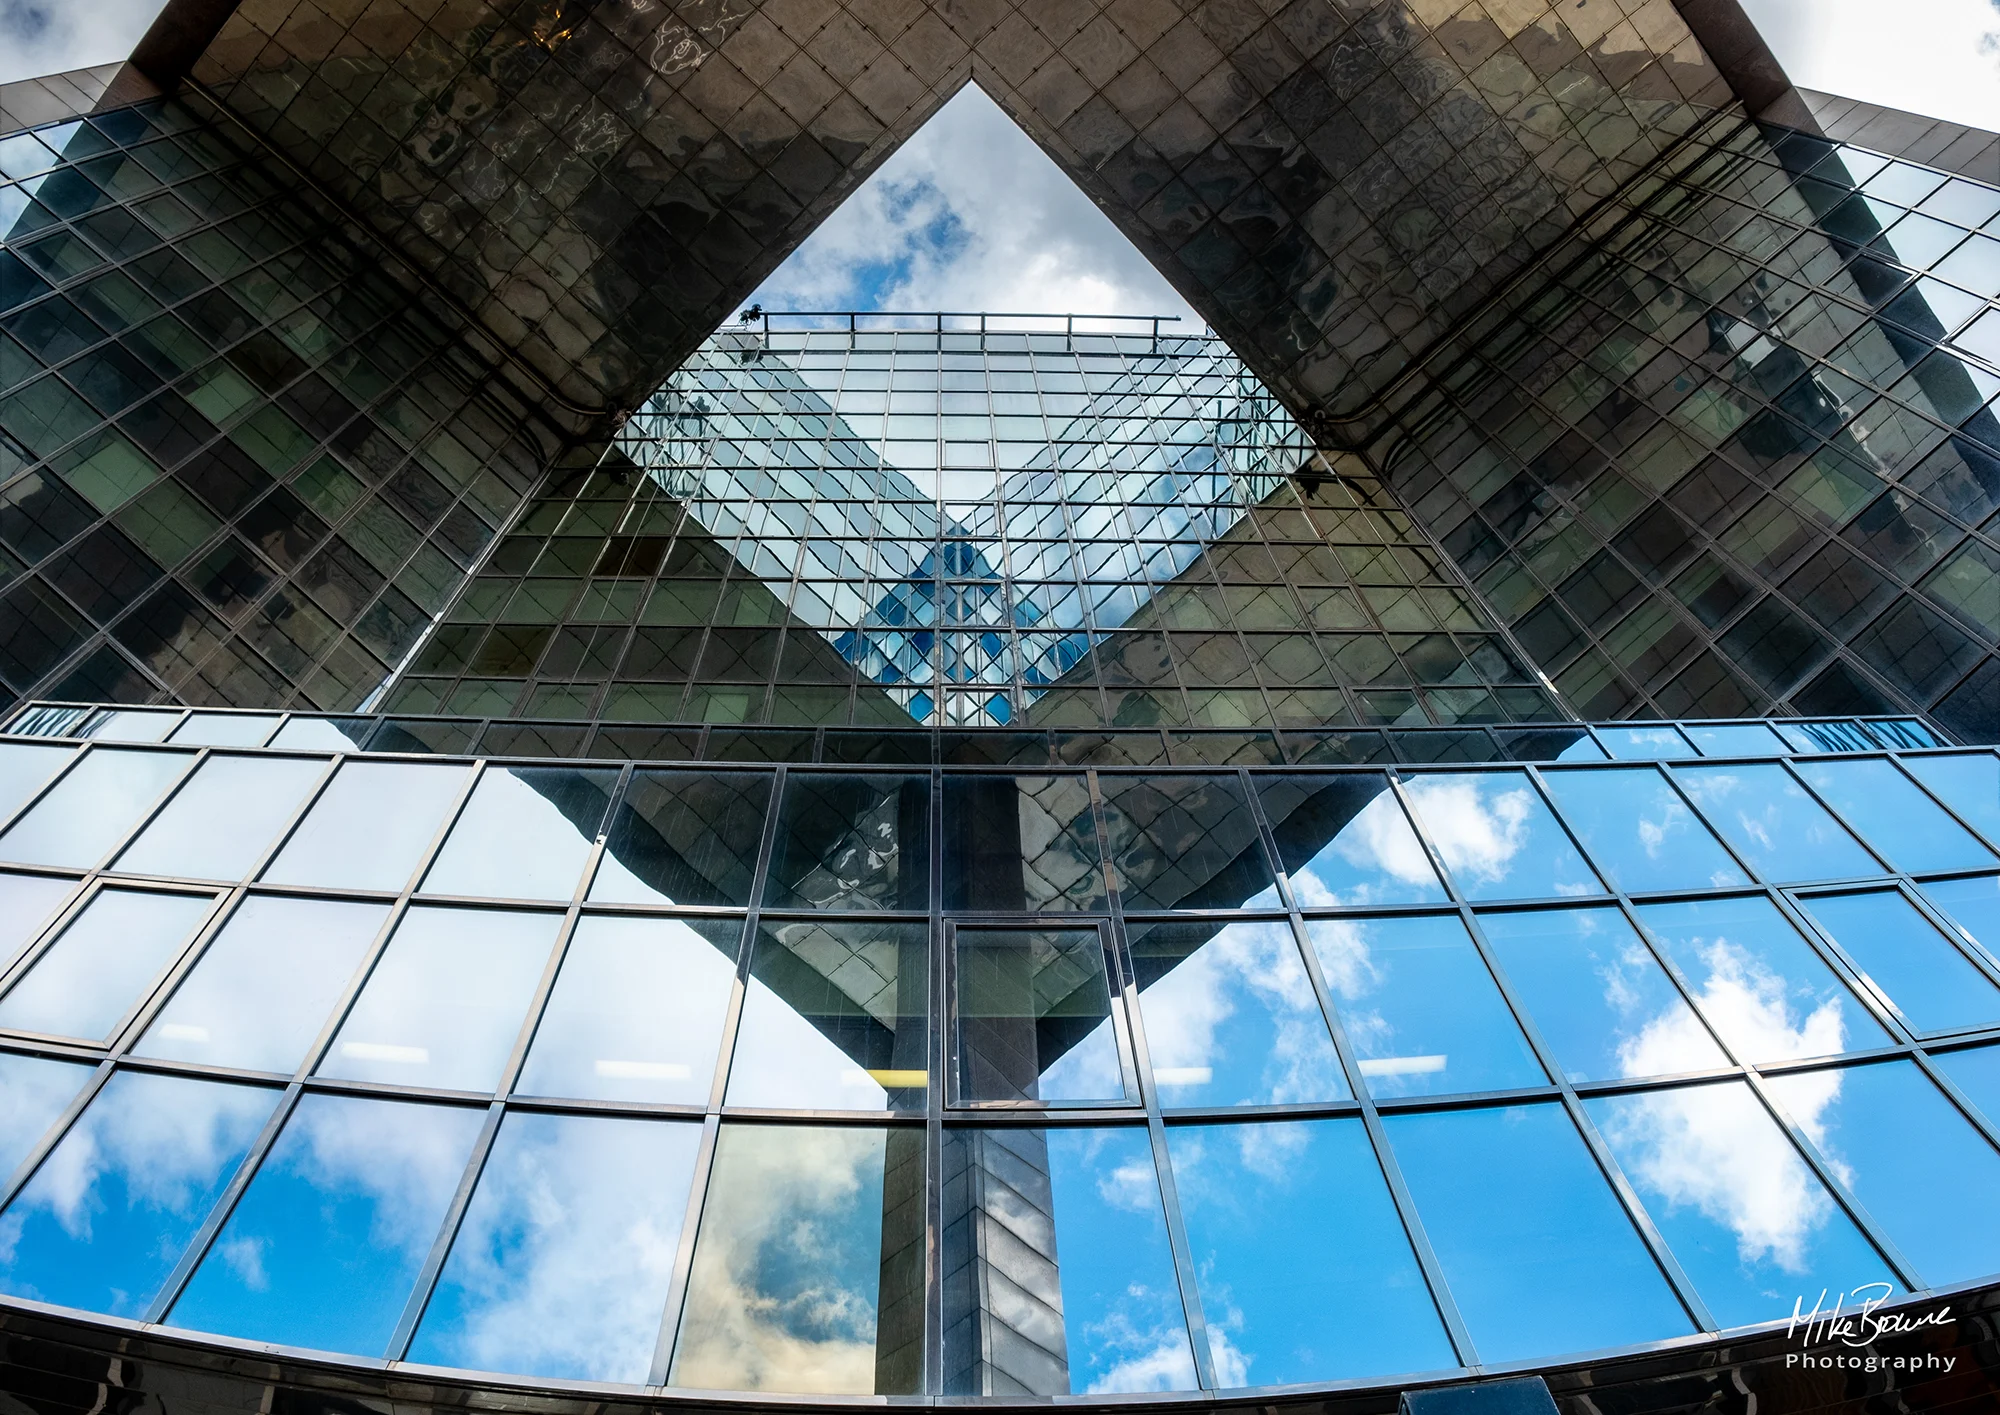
<point>560,846</point>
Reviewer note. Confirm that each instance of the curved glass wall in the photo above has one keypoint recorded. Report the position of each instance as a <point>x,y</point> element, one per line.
<point>983,1080</point>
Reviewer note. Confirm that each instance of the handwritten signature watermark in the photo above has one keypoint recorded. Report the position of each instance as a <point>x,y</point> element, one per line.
<point>1850,1322</point>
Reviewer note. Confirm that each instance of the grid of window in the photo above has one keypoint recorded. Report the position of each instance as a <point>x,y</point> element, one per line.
<point>1068,1080</point>
<point>239,462</point>
<point>1741,450</point>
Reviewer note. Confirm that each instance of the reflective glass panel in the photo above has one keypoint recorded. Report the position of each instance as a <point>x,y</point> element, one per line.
<point>1976,1072</point>
<point>1497,838</point>
<point>110,1211</point>
<point>26,903</point>
<point>1301,1256</point>
<point>1774,824</point>
<point>1060,1277</point>
<point>92,808</point>
<point>1639,830</point>
<point>130,725</point>
<point>99,966</point>
<point>637,1011</point>
<point>324,734</point>
<point>1915,1163</point>
<point>1971,904</point>
<point>1969,783</point>
<point>1419,1008</point>
<point>1231,1017</point>
<point>33,1092</point>
<point>1750,1222</point>
<point>1033,1011</point>
<point>224,729</point>
<point>1513,1203</point>
<point>684,837</point>
<point>326,1244</point>
<point>1736,739</point>
<point>1344,840</point>
<point>852,841</point>
<point>370,827</point>
<point>1597,995</point>
<point>1761,986</point>
<point>1185,842</point>
<point>808,1265</point>
<point>1904,825</point>
<point>266,984</point>
<point>443,1006</point>
<point>1020,842</point>
<point>525,834</point>
<point>1931,985</point>
<point>1645,744</point>
<point>562,1263</point>
<point>223,818</point>
<point>834,1018</point>
<point>24,766</point>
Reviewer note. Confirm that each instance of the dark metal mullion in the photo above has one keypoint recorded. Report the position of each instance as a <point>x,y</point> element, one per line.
<point>711,1125</point>
<point>253,1159</point>
<point>935,1058</point>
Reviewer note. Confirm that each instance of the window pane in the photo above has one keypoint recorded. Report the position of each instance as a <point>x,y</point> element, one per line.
<point>834,1018</point>
<point>1020,842</point>
<point>1644,744</point>
<point>1761,986</point>
<point>324,734</point>
<point>225,729</point>
<point>1969,783</point>
<point>446,1002</point>
<point>33,1092</point>
<point>1600,1000</point>
<point>1736,739</point>
<point>850,1321</point>
<point>370,827</point>
<point>1751,1224</point>
<point>110,1211</point>
<point>265,985</point>
<point>682,837</point>
<point>223,819</point>
<point>1231,1017</point>
<point>1774,825</point>
<point>1345,840</point>
<point>1973,905</point>
<point>1296,1240</point>
<point>1060,1279</point>
<point>24,767</point>
<point>1185,842</point>
<point>525,834</point>
<point>1497,838</point>
<point>852,842</point>
<point>1932,986</point>
<point>1033,1008</point>
<point>636,1013</point>
<point>562,1264</point>
<point>1916,1164</point>
<point>1513,1203</point>
<point>327,1242</point>
<point>1420,1009</point>
<point>1976,1072</point>
<point>130,725</point>
<point>92,808</point>
<point>1640,831</point>
<point>102,962</point>
<point>1905,826</point>
<point>26,903</point>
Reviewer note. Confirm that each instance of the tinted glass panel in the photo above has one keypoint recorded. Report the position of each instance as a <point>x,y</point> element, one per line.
<point>684,838</point>
<point>1736,739</point>
<point>223,819</point>
<point>1969,784</point>
<point>23,768</point>
<point>1420,1009</point>
<point>1600,999</point>
<point>1231,1017</point>
<point>266,984</point>
<point>33,1092</point>
<point>130,725</point>
<point>26,903</point>
<point>1020,842</point>
<point>1973,905</point>
<point>1644,744</point>
<point>224,729</point>
<point>1184,842</point>
<point>445,1003</point>
<point>1497,838</point>
<point>525,834</point>
<point>562,1263</point>
<point>370,827</point>
<point>1033,1010</point>
<point>327,1242</point>
<point>1774,824</point>
<point>1640,832</point>
<point>636,1013</point>
<point>100,964</point>
<point>1513,1202</point>
<point>1976,1072</point>
<point>1932,986</point>
<point>1905,826</point>
<point>92,808</point>
<point>1345,840</point>
<point>852,842</point>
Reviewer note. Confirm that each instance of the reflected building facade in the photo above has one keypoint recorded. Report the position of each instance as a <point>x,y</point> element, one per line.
<point>553,850</point>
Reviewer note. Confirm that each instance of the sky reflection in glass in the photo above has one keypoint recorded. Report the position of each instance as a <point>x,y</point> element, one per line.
<point>97,968</point>
<point>33,1092</point>
<point>1597,995</point>
<point>1973,905</point>
<point>1420,1010</point>
<point>1645,744</point>
<point>1034,1017</point>
<point>1497,837</point>
<point>1932,986</point>
<point>1904,825</point>
<point>223,818</point>
<point>1750,1222</point>
<point>327,1242</point>
<point>224,729</point>
<point>1735,739</point>
<point>1761,986</point>
<point>1976,1072</point>
<point>1304,1269</point>
<point>26,903</point>
<point>1344,840</point>
<point>109,1212</point>
<point>525,834</point>
<point>1536,1249</point>
<point>370,827</point>
<point>684,837</point>
<point>1774,824</point>
<point>562,1264</point>
<point>91,809</point>
<point>24,766</point>
<point>1914,1162</point>
<point>1640,831</point>
<point>1968,782</point>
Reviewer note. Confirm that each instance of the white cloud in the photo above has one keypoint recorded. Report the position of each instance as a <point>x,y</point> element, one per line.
<point>1942,56</point>
<point>53,36</point>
